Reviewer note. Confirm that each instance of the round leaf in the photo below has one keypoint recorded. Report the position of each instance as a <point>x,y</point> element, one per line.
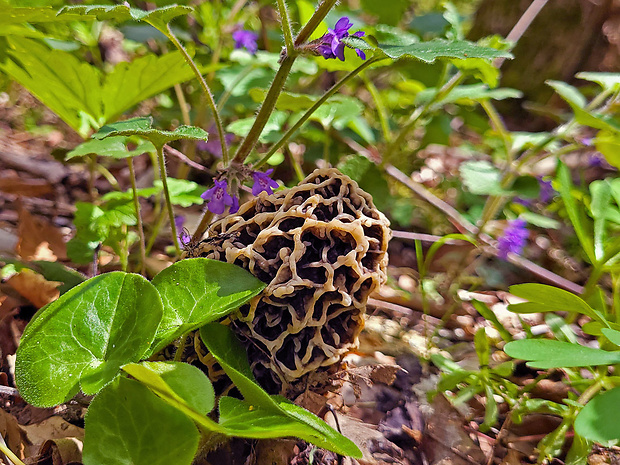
<point>126,423</point>
<point>197,291</point>
<point>598,420</point>
<point>85,336</point>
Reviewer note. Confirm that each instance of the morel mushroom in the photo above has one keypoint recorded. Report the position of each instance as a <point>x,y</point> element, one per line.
<point>321,247</point>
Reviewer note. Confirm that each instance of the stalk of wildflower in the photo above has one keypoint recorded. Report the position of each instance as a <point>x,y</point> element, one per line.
<point>513,240</point>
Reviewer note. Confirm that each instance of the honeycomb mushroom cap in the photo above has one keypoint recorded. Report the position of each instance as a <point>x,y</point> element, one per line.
<point>321,247</point>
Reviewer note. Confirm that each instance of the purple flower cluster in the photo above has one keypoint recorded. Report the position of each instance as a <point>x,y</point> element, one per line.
<point>218,197</point>
<point>184,236</point>
<point>514,238</point>
<point>246,39</point>
<point>332,46</point>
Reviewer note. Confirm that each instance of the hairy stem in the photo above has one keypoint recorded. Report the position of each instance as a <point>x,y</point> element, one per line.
<point>136,205</point>
<point>286,28</point>
<point>164,183</point>
<point>314,21</point>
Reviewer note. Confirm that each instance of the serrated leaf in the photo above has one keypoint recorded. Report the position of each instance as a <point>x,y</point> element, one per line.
<point>177,382</point>
<point>142,127</point>
<point>197,291</point>
<point>44,14</point>
<point>598,420</point>
<point>114,147</point>
<point>544,354</point>
<point>125,425</point>
<point>84,337</point>
<point>227,350</point>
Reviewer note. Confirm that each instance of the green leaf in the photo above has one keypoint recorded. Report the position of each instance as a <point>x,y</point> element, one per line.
<point>608,81</point>
<point>489,315</point>
<point>526,187</point>
<point>576,215</point>
<point>560,328</point>
<point>198,291</point>
<point>338,111</point>
<point>608,143</point>
<point>612,335</point>
<point>182,192</point>
<point>85,336</point>
<point>157,18</point>
<point>569,93</point>
<point>598,420</point>
<point>114,147</point>
<point>180,384</point>
<point>596,120</point>
<point>142,127</point>
<point>540,220</point>
<point>481,343</point>
<point>438,48</point>
<point>69,87</point>
<point>225,347</point>
<point>600,191</point>
<point>544,354</point>
<point>18,15</point>
<point>544,298</point>
<point>270,132</point>
<point>481,177</point>
<point>125,425</point>
<point>467,95</point>
<point>391,12</point>
<point>287,101</point>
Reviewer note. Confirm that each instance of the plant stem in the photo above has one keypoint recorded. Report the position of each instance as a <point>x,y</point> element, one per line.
<point>313,108</point>
<point>497,122</point>
<point>136,205</point>
<point>108,176</point>
<point>202,227</point>
<point>265,110</point>
<point>381,111</point>
<point>206,90</point>
<point>9,454</point>
<point>286,28</point>
<point>314,21</point>
<point>164,183</point>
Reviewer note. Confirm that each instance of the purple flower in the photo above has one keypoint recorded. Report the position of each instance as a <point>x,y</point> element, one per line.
<point>218,197</point>
<point>547,192</point>
<point>234,208</point>
<point>262,182</point>
<point>331,45</point>
<point>514,238</point>
<point>246,39</point>
<point>184,236</point>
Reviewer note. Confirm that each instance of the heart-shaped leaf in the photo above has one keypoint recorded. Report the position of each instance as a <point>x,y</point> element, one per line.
<point>84,337</point>
<point>114,147</point>
<point>197,291</point>
<point>544,353</point>
<point>598,420</point>
<point>143,127</point>
<point>125,425</point>
<point>180,383</point>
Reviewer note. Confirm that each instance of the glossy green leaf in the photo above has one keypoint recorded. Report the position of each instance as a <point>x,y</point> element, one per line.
<point>544,354</point>
<point>84,337</point>
<point>157,18</point>
<point>178,383</point>
<point>125,425</point>
<point>197,291</point>
<point>142,127</point>
<point>227,350</point>
<point>600,191</point>
<point>544,298</point>
<point>598,420</point>
<point>575,214</point>
<point>608,81</point>
<point>113,147</point>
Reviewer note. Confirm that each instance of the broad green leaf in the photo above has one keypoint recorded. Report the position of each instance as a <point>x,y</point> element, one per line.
<point>600,191</point>
<point>612,335</point>
<point>467,94</point>
<point>178,383</point>
<point>182,192</point>
<point>433,49</point>
<point>114,147</point>
<point>17,15</point>
<point>481,177</point>
<point>142,127</point>
<point>157,18</point>
<point>69,87</point>
<point>391,12</point>
<point>544,298</point>
<point>125,425</point>
<point>271,131</point>
<point>608,143</point>
<point>544,354</point>
<point>598,420</point>
<point>596,120</point>
<point>238,80</point>
<point>130,83</point>
<point>526,187</point>
<point>225,347</point>
<point>197,291</point>
<point>607,81</point>
<point>575,214</point>
<point>287,101</point>
<point>84,337</point>
<point>338,111</point>
<point>569,93</point>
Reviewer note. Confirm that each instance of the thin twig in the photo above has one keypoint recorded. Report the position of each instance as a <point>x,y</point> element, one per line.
<point>184,159</point>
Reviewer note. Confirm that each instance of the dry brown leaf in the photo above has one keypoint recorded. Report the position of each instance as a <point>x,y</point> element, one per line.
<point>62,451</point>
<point>34,287</point>
<point>54,428</point>
<point>25,187</point>
<point>34,231</point>
<point>13,435</point>
<point>372,374</point>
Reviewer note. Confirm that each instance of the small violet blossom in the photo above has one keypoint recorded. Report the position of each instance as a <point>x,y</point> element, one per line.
<point>246,39</point>
<point>514,238</point>
<point>219,198</point>
<point>184,236</point>
<point>262,182</point>
<point>331,45</point>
